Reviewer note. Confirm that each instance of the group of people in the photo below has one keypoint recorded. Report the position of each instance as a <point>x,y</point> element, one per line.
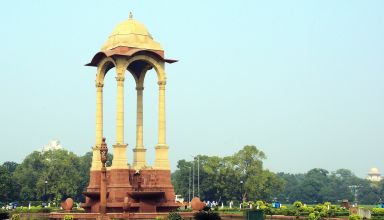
<point>212,204</point>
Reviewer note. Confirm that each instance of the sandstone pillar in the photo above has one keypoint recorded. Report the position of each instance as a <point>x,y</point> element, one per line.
<point>161,149</point>
<point>139,152</point>
<point>96,164</point>
<point>120,149</point>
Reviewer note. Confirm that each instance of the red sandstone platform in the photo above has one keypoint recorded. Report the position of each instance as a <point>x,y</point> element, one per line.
<point>145,191</point>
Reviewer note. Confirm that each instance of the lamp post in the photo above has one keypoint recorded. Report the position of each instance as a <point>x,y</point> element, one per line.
<point>189,185</point>
<point>193,177</point>
<point>45,191</point>
<point>354,190</point>
<point>103,184</point>
<point>198,176</point>
<point>241,190</point>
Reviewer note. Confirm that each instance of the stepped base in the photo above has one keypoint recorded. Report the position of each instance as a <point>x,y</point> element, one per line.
<point>146,191</point>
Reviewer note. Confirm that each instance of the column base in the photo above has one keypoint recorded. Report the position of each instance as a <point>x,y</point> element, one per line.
<point>96,162</point>
<point>139,158</point>
<point>161,157</point>
<point>161,146</point>
<point>120,157</point>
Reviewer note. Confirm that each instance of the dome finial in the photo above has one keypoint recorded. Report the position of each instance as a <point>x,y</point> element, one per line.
<point>130,15</point>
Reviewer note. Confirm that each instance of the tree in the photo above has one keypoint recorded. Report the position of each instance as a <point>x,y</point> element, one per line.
<point>291,190</point>
<point>27,174</point>
<point>10,166</point>
<point>248,166</point>
<point>181,177</point>
<point>51,175</point>
<point>8,188</point>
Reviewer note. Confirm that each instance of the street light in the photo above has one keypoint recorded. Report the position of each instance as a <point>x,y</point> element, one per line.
<point>189,185</point>
<point>193,179</point>
<point>45,191</point>
<point>354,190</point>
<point>241,190</point>
<point>198,176</point>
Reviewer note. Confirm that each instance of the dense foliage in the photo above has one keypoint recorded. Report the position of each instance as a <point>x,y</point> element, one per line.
<point>45,176</point>
<point>174,216</point>
<point>319,186</point>
<point>237,177</point>
<point>241,177</point>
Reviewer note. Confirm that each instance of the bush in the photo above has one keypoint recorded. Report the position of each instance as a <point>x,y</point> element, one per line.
<point>260,203</point>
<point>33,209</point>
<point>174,216</point>
<point>354,217</point>
<point>46,210</point>
<point>207,215</point>
<point>297,204</point>
<point>235,209</point>
<point>378,211</point>
<point>341,213</point>
<point>16,217</point>
<point>68,217</point>
<point>313,216</point>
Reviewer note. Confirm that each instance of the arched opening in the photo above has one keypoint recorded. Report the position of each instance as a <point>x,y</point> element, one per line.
<point>146,123</point>
<point>130,114</point>
<point>109,107</point>
<point>151,104</point>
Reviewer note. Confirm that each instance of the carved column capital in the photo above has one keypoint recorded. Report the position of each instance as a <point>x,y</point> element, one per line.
<point>120,78</point>
<point>162,84</point>
<point>99,85</point>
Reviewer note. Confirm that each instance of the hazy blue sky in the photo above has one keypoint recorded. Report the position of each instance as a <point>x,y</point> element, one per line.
<point>301,80</point>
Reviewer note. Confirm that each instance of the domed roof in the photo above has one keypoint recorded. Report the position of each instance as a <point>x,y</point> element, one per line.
<point>374,171</point>
<point>131,33</point>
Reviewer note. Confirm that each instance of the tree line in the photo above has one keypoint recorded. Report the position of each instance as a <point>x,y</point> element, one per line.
<point>241,177</point>
<point>46,176</point>
<point>58,174</point>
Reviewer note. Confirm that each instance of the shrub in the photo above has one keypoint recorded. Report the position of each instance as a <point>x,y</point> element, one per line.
<point>260,203</point>
<point>234,209</point>
<point>33,209</point>
<point>313,216</point>
<point>378,211</point>
<point>159,218</point>
<point>207,215</point>
<point>341,213</point>
<point>174,216</point>
<point>16,217</point>
<point>68,217</point>
<point>297,204</point>
<point>354,217</point>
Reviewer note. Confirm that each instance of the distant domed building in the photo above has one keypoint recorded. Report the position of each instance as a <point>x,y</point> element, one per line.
<point>53,145</point>
<point>374,175</point>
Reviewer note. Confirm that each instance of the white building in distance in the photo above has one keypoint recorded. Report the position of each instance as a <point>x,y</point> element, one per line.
<point>53,145</point>
<point>374,175</point>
